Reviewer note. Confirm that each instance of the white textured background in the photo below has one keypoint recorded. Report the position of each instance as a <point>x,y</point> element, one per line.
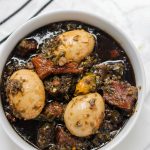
<point>133,16</point>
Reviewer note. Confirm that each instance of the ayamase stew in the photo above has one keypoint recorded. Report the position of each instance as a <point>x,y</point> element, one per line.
<point>68,86</point>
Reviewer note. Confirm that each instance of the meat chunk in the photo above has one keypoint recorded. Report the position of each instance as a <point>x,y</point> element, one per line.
<point>53,110</point>
<point>45,135</point>
<point>114,53</point>
<point>26,46</point>
<point>45,67</point>
<point>120,94</point>
<point>64,139</point>
<point>58,85</point>
<point>108,68</point>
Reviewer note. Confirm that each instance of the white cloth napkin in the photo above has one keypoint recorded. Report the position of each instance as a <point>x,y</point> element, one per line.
<point>132,16</point>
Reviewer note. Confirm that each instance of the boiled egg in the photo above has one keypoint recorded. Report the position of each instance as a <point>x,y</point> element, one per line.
<point>26,94</point>
<point>84,114</point>
<point>75,45</point>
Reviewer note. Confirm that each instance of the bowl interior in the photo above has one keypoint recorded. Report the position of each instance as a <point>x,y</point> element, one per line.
<point>101,23</point>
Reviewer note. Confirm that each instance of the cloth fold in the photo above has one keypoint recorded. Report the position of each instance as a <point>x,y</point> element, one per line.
<point>24,11</point>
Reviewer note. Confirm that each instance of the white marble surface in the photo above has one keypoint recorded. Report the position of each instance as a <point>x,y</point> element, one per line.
<point>133,16</point>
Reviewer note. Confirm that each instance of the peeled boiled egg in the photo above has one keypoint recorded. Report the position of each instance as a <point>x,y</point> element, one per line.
<point>84,114</point>
<point>26,94</point>
<point>75,45</point>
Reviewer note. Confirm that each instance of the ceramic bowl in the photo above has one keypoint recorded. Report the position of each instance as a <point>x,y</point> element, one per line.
<point>91,19</point>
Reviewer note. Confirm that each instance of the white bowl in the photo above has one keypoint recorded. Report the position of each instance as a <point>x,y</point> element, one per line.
<point>96,21</point>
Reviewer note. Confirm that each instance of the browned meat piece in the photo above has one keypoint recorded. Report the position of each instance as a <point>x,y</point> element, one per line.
<point>120,94</point>
<point>45,67</point>
<point>53,110</point>
<point>26,46</point>
<point>64,139</point>
<point>58,85</point>
<point>45,135</point>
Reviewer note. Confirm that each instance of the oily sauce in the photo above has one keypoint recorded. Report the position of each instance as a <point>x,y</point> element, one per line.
<point>105,48</point>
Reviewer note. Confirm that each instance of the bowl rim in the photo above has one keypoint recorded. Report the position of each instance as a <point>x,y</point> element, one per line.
<point>5,123</point>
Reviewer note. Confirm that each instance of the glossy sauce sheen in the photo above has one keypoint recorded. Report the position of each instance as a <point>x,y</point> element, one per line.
<point>104,44</point>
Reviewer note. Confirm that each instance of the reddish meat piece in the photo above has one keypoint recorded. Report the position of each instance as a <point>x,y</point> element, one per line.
<point>58,85</point>
<point>63,138</point>
<point>120,94</point>
<point>114,53</point>
<point>45,135</point>
<point>26,46</point>
<point>45,67</point>
<point>53,110</point>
